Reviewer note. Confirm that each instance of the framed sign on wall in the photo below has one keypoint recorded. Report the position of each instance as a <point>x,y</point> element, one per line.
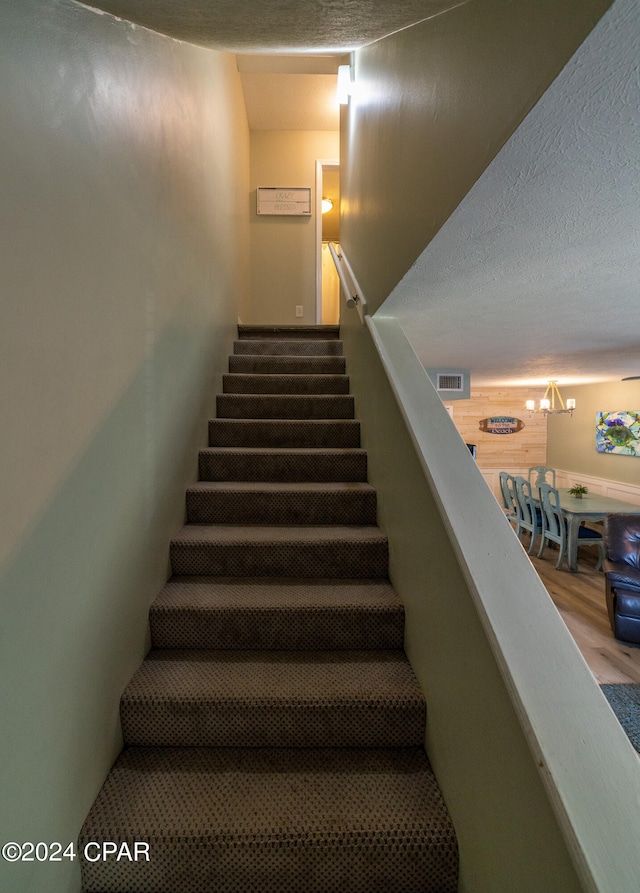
<point>284,201</point>
<point>501,425</point>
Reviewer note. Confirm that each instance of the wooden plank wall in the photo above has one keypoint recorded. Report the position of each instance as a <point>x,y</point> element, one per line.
<point>504,451</point>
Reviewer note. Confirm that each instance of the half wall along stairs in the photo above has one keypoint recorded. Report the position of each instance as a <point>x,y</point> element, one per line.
<point>274,733</point>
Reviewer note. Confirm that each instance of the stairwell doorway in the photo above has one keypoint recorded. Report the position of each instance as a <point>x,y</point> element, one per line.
<point>327,230</point>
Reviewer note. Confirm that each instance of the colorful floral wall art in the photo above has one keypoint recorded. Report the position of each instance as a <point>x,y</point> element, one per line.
<point>618,433</point>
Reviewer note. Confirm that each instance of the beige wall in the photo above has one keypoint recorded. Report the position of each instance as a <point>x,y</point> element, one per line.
<point>571,440</point>
<point>283,249</point>
<point>124,162</point>
<point>432,106</point>
<point>565,442</point>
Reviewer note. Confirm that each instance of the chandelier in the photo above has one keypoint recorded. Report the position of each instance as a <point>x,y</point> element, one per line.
<point>548,402</point>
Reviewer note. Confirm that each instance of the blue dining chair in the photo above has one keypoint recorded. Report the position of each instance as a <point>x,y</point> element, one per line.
<point>541,472</point>
<point>554,527</point>
<point>530,517</point>
<point>508,494</point>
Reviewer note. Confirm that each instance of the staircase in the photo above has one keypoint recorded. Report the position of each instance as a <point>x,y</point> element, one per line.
<point>274,733</point>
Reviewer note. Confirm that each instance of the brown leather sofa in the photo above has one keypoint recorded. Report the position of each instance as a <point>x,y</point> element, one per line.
<point>622,575</point>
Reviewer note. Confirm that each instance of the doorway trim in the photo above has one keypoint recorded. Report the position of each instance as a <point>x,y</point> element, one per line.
<point>329,164</point>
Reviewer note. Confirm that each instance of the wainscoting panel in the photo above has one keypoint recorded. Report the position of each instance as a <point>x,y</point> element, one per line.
<point>602,486</point>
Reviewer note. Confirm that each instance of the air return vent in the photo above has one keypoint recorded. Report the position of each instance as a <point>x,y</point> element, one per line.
<point>451,384</point>
<point>447,381</point>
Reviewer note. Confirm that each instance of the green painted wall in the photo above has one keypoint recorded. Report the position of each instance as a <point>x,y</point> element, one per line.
<point>432,106</point>
<point>124,175</point>
<point>571,439</point>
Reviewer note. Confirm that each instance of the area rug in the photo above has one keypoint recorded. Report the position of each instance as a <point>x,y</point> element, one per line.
<point>625,703</point>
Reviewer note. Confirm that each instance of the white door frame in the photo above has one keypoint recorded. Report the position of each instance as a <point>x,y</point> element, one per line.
<point>330,164</point>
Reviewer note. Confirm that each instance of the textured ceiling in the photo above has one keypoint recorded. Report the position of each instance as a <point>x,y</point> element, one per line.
<point>278,26</point>
<point>536,274</point>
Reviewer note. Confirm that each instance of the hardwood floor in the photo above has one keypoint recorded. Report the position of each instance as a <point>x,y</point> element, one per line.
<point>580,600</point>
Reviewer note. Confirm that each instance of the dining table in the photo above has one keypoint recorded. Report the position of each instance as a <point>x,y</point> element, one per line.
<point>591,507</point>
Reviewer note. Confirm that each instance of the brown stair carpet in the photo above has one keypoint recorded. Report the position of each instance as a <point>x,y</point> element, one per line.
<point>242,383</point>
<point>306,333</point>
<point>287,364</point>
<point>276,464</point>
<point>273,734</point>
<point>204,612</point>
<point>295,433</point>
<point>246,502</point>
<point>288,347</point>
<point>273,698</point>
<point>274,820</point>
<point>284,406</point>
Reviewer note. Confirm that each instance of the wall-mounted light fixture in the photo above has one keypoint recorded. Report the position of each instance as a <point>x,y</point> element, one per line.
<point>345,84</point>
<point>327,205</point>
<point>548,402</point>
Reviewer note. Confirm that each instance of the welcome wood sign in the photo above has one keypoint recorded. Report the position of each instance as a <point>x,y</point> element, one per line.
<point>501,425</point>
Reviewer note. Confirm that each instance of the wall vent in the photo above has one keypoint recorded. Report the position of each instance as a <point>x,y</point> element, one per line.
<point>446,381</point>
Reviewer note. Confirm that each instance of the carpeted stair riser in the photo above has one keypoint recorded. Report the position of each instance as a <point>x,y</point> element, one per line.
<point>191,698</point>
<point>286,465</point>
<point>284,384</point>
<point>267,503</point>
<point>297,433</point>
<point>275,731</point>
<point>290,348</point>
<point>238,551</point>
<point>284,406</point>
<point>286,365</point>
<point>272,820</point>
<point>308,333</point>
<point>204,612</point>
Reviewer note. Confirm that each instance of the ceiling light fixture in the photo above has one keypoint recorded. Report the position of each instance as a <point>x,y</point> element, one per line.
<point>327,205</point>
<point>548,402</point>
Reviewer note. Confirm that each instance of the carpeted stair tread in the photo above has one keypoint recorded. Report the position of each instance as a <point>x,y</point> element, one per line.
<point>262,551</point>
<point>282,464</point>
<point>289,347</point>
<point>298,433</point>
<point>207,612</point>
<point>267,364</point>
<point>198,698</point>
<point>281,383</point>
<point>284,406</point>
<point>273,820</point>
<point>244,502</point>
<point>307,332</point>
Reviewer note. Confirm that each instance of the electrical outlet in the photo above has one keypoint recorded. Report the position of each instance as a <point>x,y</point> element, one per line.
<point>298,309</point>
